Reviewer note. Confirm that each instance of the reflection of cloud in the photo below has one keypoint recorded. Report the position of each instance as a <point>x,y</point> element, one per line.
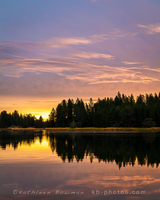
<point>151,29</point>
<point>92,55</point>
<point>129,182</point>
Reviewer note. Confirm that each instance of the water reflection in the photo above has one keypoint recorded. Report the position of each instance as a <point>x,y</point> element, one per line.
<point>17,138</point>
<point>124,149</point>
<point>49,162</point>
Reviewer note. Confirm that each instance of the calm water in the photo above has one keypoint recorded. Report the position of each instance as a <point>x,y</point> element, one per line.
<point>49,166</point>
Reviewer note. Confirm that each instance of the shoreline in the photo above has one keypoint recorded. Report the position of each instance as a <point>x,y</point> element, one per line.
<point>90,130</point>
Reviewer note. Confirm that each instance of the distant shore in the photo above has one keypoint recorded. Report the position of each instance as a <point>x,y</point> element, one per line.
<point>87,130</point>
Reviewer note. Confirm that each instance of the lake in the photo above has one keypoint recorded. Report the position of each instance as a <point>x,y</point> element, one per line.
<point>44,165</point>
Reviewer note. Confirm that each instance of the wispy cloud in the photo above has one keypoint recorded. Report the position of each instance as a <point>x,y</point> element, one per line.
<point>81,65</point>
<point>52,43</point>
<point>13,75</point>
<point>77,69</point>
<point>151,69</point>
<point>108,74</point>
<point>130,63</point>
<point>57,42</point>
<point>90,55</point>
<point>152,28</point>
<point>112,35</point>
<point>67,41</point>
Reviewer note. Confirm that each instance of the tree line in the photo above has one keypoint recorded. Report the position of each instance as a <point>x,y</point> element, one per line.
<point>18,120</point>
<point>121,111</point>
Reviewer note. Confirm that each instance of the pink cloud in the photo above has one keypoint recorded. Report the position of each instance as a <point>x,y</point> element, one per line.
<point>90,55</point>
<point>152,28</point>
<point>130,63</point>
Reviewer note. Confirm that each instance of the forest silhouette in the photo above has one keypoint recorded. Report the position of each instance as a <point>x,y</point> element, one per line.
<point>121,111</point>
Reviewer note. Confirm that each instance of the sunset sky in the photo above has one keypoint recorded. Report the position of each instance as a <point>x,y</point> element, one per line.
<point>52,50</point>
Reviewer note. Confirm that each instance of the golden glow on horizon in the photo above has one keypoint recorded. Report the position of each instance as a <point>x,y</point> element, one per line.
<point>39,106</point>
<point>45,115</point>
<point>36,106</point>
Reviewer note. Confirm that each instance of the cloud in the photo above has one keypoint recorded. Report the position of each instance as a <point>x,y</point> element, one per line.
<point>130,63</point>
<point>112,35</point>
<point>76,69</point>
<point>78,66</point>
<point>13,75</point>
<point>92,55</point>
<point>114,76</point>
<point>52,43</point>
<point>152,28</point>
<point>57,42</point>
<point>151,69</point>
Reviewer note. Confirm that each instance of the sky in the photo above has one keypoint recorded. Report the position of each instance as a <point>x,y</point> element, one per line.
<point>52,50</point>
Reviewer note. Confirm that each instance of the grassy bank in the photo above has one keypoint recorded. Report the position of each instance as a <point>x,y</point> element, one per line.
<point>88,130</point>
<point>103,130</point>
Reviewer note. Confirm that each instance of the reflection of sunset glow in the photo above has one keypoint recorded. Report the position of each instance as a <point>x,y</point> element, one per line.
<point>91,176</point>
<point>43,144</point>
<point>36,160</point>
<point>29,152</point>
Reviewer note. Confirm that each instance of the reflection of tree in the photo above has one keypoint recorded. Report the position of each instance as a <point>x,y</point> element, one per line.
<point>123,149</point>
<point>16,138</point>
